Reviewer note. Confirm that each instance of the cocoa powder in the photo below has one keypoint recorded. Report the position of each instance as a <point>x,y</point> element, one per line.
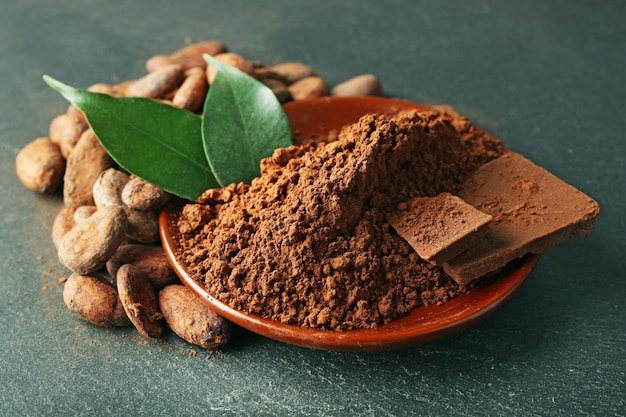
<point>308,243</point>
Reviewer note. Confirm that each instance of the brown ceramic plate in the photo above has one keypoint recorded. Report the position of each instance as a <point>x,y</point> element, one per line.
<point>316,117</point>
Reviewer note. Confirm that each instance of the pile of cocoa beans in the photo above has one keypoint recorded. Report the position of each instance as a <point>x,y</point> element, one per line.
<point>107,232</point>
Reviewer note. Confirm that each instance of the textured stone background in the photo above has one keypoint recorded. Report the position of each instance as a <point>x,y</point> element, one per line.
<point>545,77</point>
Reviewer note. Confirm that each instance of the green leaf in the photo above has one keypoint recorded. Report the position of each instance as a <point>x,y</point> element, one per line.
<point>243,123</point>
<point>157,142</point>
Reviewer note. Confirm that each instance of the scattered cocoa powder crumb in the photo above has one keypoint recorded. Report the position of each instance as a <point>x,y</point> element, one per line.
<point>213,355</point>
<point>308,242</point>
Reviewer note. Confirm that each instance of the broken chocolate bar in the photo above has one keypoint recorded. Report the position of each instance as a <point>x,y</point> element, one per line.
<point>439,228</point>
<point>532,211</point>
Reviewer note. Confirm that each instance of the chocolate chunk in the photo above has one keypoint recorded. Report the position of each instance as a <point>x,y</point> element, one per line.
<point>439,228</point>
<point>532,209</point>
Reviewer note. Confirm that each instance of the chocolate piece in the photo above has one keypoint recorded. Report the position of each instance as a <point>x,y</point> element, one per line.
<point>533,211</point>
<point>439,228</point>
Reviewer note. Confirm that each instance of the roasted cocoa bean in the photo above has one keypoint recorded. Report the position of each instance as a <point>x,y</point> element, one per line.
<point>232,59</point>
<point>293,71</point>
<point>73,111</point>
<point>40,166</point>
<point>85,164</point>
<point>192,92</point>
<point>361,85</point>
<point>121,89</point>
<point>94,300</point>
<point>279,89</point>
<point>65,130</point>
<point>191,55</point>
<point>102,88</point>
<point>139,301</point>
<point>150,259</point>
<point>107,189</point>
<point>188,57</point>
<point>158,62</point>
<point>83,213</point>
<point>309,87</point>
<point>90,244</point>
<point>157,84</point>
<point>141,195</point>
<point>191,318</point>
<point>143,226</point>
<point>63,223</point>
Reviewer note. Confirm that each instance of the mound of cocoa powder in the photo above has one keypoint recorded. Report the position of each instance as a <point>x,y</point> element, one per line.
<point>308,243</point>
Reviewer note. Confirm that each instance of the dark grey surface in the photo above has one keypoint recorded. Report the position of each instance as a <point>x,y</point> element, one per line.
<point>548,78</point>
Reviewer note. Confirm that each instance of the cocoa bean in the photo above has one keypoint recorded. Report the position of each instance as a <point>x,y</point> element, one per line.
<point>90,244</point>
<point>94,300</point>
<point>141,195</point>
<point>157,84</point>
<point>309,87</point>
<point>150,259</point>
<point>40,166</point>
<point>65,130</point>
<point>102,88</point>
<point>232,59</point>
<point>73,111</point>
<point>361,85</point>
<point>143,226</point>
<point>158,62</point>
<point>266,73</point>
<point>63,223</point>
<point>121,89</point>
<point>84,165</point>
<point>107,189</point>
<point>192,319</point>
<point>83,213</point>
<point>191,55</point>
<point>139,301</point>
<point>192,92</point>
<point>293,71</point>
<point>279,89</point>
